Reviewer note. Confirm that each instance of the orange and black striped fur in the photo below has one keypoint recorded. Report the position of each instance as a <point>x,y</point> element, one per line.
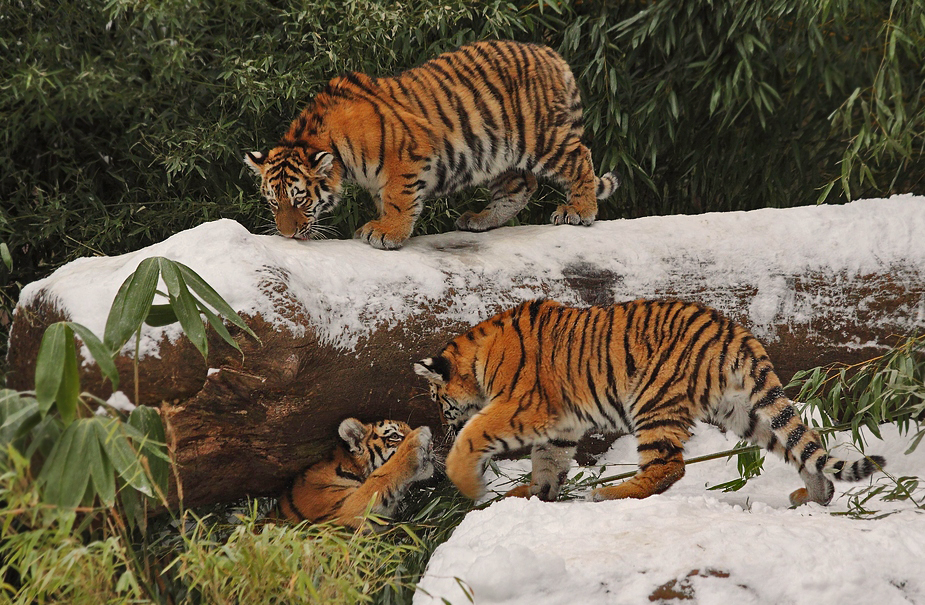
<point>370,471</point>
<point>495,112</point>
<point>542,374</point>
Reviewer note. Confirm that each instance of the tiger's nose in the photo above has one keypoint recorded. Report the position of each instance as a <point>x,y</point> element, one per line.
<point>286,226</point>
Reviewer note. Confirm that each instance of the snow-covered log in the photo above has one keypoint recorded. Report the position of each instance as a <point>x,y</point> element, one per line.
<point>341,322</point>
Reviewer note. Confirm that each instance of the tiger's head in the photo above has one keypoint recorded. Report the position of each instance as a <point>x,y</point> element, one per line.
<point>457,392</point>
<point>299,183</point>
<point>371,445</point>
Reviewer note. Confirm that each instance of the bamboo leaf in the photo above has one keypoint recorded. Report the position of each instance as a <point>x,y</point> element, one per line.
<point>100,353</point>
<point>160,315</point>
<point>6,256</point>
<point>148,422</point>
<point>184,305</point>
<point>213,299</point>
<point>102,472</point>
<point>131,304</point>
<point>915,442</point>
<point>217,324</point>
<point>69,388</point>
<point>115,442</point>
<point>65,475</point>
<point>14,412</point>
<point>49,365</point>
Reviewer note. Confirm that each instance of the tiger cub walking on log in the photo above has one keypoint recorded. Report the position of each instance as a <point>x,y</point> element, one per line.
<point>371,470</point>
<point>493,112</point>
<point>542,374</point>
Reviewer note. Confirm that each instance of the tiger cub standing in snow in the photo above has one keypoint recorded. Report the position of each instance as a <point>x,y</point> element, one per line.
<point>542,374</point>
<point>495,112</point>
<point>370,470</point>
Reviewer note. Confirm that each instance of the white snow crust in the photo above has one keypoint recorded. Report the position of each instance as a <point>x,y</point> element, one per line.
<point>350,289</point>
<point>528,552</point>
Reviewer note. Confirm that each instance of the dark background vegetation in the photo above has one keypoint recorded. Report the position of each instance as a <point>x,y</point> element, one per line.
<point>123,122</point>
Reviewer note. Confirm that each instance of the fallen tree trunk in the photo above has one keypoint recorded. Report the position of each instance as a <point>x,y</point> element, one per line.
<point>341,323</point>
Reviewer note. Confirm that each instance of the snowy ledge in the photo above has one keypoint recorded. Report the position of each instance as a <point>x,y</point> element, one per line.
<point>746,264</point>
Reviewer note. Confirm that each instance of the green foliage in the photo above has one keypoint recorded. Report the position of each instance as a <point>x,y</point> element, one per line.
<point>736,105</point>
<point>749,463</point>
<point>44,557</point>
<point>886,389</point>
<point>133,306</point>
<point>428,518</point>
<point>82,456</point>
<point>271,563</point>
<point>47,554</point>
<point>254,561</point>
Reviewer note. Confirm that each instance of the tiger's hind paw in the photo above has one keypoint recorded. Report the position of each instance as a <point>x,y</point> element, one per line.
<point>521,491</point>
<point>799,497</point>
<point>474,221</point>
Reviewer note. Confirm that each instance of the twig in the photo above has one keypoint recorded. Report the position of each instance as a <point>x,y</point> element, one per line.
<point>723,454</point>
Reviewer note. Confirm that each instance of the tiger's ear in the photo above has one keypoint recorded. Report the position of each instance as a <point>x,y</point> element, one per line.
<point>434,369</point>
<point>322,162</point>
<point>255,160</point>
<point>352,432</point>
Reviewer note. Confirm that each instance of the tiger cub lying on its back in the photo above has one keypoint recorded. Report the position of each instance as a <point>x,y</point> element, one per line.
<point>495,112</point>
<point>371,470</point>
<point>542,374</point>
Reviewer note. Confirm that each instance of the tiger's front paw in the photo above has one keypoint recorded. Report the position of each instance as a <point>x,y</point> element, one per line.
<point>567,214</point>
<point>422,457</point>
<point>377,236</point>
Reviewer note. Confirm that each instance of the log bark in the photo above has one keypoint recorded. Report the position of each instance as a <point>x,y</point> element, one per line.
<point>340,324</point>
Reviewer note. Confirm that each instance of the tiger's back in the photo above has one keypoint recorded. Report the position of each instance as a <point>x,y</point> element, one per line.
<point>370,470</point>
<point>542,374</point>
<point>494,112</point>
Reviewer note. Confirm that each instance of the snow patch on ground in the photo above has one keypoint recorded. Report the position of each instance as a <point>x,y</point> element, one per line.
<point>745,547</point>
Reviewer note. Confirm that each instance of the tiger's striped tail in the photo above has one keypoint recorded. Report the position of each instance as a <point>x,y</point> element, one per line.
<point>606,185</point>
<point>854,471</point>
<point>802,447</point>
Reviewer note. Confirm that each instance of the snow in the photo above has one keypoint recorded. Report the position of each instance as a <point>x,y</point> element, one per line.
<point>117,401</point>
<point>349,289</point>
<point>745,547</point>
